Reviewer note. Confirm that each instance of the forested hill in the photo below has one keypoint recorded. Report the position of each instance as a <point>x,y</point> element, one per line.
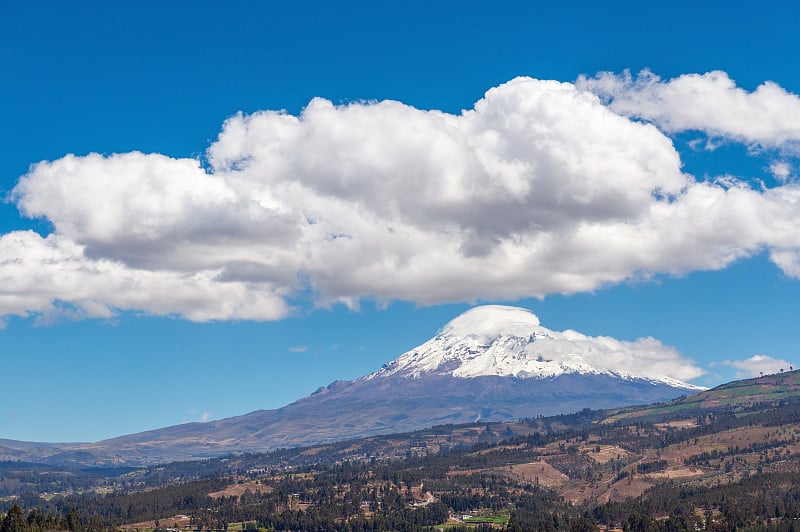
<point>724,459</point>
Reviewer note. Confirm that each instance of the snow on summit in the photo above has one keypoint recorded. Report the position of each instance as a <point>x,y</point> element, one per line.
<point>491,321</point>
<point>495,340</point>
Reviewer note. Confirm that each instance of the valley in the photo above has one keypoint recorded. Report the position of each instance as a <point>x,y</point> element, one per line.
<point>721,459</point>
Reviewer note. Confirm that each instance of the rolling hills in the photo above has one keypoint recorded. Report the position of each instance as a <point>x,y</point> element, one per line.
<point>721,459</point>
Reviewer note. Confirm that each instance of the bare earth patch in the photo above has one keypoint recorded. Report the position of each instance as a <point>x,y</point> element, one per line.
<point>678,472</point>
<point>542,472</point>
<point>679,424</point>
<point>621,491</point>
<point>239,489</point>
<point>606,454</point>
<point>182,521</point>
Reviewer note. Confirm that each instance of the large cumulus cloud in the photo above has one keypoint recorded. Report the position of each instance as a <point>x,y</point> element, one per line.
<point>540,188</point>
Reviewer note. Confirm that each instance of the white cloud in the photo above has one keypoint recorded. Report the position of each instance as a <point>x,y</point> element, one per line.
<point>149,210</point>
<point>541,188</point>
<point>645,357</point>
<point>40,275</point>
<point>781,170</point>
<point>758,364</point>
<point>788,260</point>
<point>768,116</point>
<point>298,349</point>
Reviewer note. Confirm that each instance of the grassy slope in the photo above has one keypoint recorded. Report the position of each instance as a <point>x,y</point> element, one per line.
<point>767,391</point>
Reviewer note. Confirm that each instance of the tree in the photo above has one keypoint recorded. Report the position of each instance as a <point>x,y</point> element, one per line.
<point>14,521</point>
<point>73,521</point>
<point>582,524</point>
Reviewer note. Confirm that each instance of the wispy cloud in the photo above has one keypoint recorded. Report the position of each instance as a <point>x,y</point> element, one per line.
<point>757,364</point>
<point>781,170</point>
<point>298,349</point>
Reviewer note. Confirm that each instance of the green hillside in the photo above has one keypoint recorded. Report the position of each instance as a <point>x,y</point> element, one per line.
<point>738,396</point>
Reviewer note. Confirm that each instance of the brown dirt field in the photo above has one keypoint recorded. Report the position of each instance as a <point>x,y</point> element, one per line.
<point>501,448</point>
<point>421,499</point>
<point>416,492</point>
<point>621,490</point>
<point>181,520</point>
<point>741,437</point>
<point>678,424</point>
<point>546,474</point>
<point>464,472</point>
<point>606,454</point>
<point>747,435</point>
<point>678,472</point>
<point>239,489</point>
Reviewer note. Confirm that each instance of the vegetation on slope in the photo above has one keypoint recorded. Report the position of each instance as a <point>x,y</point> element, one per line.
<point>723,459</point>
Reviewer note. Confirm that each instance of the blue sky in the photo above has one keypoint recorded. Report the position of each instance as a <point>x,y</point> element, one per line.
<point>103,333</point>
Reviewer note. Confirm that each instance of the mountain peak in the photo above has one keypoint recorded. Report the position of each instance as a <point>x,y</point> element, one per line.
<point>504,341</point>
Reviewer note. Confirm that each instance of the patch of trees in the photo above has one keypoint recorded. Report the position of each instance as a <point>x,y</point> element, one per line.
<point>651,467</point>
<point>348,496</point>
<point>752,502</point>
<point>706,457</point>
<point>22,477</point>
<point>15,520</point>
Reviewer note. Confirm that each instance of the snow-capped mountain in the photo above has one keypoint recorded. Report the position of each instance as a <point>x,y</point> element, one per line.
<point>506,341</point>
<point>492,363</point>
